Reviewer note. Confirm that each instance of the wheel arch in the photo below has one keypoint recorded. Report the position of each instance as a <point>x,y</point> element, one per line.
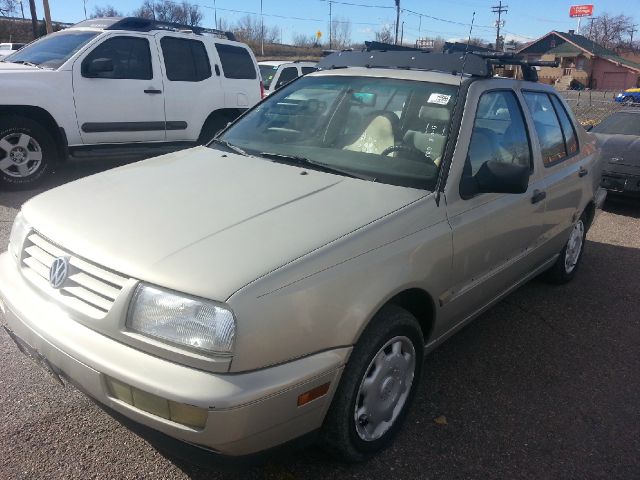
<point>590,213</point>
<point>43,117</point>
<point>228,114</point>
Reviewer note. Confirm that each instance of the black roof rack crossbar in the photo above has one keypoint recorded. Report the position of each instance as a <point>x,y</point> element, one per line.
<point>477,64</point>
<point>137,24</point>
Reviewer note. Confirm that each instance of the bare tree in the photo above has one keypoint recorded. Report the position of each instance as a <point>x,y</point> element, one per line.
<point>610,31</point>
<point>168,11</point>
<point>385,35</point>
<point>106,11</point>
<point>340,32</point>
<point>249,30</point>
<point>302,40</point>
<point>8,7</point>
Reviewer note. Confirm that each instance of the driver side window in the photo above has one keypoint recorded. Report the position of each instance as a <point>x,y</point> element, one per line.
<point>499,133</point>
<point>130,58</point>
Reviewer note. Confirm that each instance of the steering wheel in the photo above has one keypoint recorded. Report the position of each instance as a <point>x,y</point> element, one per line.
<point>413,151</point>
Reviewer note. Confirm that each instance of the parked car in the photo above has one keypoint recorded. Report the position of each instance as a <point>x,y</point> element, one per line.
<point>118,86</point>
<point>275,74</point>
<point>290,278</point>
<point>630,95</point>
<point>9,48</point>
<point>619,139</point>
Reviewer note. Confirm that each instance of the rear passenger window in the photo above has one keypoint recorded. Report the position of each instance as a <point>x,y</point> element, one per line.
<point>569,133</point>
<point>547,125</point>
<point>185,60</point>
<point>236,62</point>
<point>130,57</point>
<point>288,74</point>
<point>306,70</point>
<point>499,133</point>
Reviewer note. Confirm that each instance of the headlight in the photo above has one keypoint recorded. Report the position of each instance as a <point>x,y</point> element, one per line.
<point>192,322</point>
<point>19,231</point>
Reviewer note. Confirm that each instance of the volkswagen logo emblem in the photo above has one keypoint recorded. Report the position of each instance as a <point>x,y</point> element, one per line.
<point>58,272</point>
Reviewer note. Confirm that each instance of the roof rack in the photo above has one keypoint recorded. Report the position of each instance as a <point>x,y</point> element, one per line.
<point>476,64</point>
<point>137,24</point>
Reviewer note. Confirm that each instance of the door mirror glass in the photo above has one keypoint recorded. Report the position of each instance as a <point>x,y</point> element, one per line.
<point>98,66</point>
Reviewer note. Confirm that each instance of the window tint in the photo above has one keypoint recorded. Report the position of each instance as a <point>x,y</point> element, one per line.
<point>499,133</point>
<point>569,133</point>
<point>547,127</point>
<point>306,70</point>
<point>185,60</point>
<point>236,61</point>
<point>130,56</point>
<point>288,74</point>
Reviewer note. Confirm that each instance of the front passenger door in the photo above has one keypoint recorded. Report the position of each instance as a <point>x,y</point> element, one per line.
<point>495,235</point>
<point>118,92</point>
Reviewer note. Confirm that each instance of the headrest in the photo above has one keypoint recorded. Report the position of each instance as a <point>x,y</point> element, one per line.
<point>432,113</point>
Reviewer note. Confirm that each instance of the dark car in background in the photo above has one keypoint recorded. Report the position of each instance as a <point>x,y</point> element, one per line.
<point>619,138</point>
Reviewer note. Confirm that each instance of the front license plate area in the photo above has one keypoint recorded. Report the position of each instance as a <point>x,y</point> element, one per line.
<point>33,354</point>
<point>614,184</point>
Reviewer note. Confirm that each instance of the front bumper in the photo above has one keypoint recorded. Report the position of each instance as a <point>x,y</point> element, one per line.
<point>621,183</point>
<point>246,412</point>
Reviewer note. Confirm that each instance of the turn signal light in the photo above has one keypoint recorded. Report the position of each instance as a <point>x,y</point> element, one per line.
<point>312,394</point>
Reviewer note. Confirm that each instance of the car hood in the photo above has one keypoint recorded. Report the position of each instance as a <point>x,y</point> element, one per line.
<point>206,222</point>
<point>8,66</point>
<point>619,149</point>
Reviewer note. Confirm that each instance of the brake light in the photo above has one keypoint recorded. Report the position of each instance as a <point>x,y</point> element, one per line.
<point>261,90</point>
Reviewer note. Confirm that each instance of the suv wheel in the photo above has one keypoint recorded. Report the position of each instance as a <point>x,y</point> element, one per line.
<point>568,262</point>
<point>27,151</point>
<point>377,386</point>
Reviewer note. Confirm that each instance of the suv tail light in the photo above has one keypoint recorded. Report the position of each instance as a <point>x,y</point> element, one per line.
<point>261,90</point>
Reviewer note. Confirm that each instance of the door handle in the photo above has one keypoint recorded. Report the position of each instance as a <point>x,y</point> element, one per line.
<point>151,90</point>
<point>538,196</point>
<point>582,172</point>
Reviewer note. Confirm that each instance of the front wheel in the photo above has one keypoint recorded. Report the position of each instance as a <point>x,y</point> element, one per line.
<point>27,152</point>
<point>568,262</point>
<point>377,386</point>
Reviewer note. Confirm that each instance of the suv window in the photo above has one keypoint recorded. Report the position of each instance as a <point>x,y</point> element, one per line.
<point>547,125</point>
<point>306,70</point>
<point>499,133</point>
<point>130,56</point>
<point>288,74</point>
<point>185,60</point>
<point>236,62</point>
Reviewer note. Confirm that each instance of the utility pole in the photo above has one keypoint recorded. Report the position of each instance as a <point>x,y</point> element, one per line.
<point>330,28</point>
<point>631,32</point>
<point>397,19</point>
<point>402,33</point>
<point>499,9</point>
<point>47,16</point>
<point>34,18</point>
<point>591,27</point>
<point>22,9</point>
<point>215,14</point>
<point>261,30</point>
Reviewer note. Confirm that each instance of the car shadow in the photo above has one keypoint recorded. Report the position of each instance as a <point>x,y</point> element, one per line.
<point>620,205</point>
<point>545,374</point>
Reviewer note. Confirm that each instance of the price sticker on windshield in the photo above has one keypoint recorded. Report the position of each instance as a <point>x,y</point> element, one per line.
<point>439,98</point>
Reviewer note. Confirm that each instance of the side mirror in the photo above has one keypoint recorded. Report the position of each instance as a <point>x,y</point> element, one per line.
<point>98,66</point>
<point>496,177</point>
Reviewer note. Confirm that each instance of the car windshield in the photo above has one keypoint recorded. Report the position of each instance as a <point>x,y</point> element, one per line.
<point>621,123</point>
<point>53,50</point>
<point>387,130</point>
<point>267,72</point>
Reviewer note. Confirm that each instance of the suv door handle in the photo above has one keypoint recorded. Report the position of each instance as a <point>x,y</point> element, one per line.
<point>538,196</point>
<point>582,172</point>
<point>151,90</point>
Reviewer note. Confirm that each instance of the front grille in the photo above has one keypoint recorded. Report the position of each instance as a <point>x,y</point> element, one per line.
<point>89,288</point>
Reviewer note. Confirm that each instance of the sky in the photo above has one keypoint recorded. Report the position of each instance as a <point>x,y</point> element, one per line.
<point>525,19</point>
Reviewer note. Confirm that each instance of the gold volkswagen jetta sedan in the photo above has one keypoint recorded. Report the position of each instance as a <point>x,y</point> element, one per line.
<point>290,278</point>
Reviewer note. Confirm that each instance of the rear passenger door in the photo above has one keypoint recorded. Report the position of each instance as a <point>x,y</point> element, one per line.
<point>287,75</point>
<point>563,166</point>
<point>192,87</point>
<point>495,235</point>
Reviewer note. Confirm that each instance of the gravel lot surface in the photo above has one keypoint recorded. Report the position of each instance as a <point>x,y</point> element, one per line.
<point>544,385</point>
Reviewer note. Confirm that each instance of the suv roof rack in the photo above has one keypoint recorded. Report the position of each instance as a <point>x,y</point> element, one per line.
<point>137,24</point>
<point>476,64</point>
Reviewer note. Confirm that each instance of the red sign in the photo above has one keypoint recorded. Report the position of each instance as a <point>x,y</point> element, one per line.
<point>581,11</point>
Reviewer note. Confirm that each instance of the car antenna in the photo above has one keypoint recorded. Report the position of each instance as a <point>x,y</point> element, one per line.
<point>464,61</point>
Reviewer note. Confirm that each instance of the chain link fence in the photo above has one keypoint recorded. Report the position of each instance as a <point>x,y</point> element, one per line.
<point>591,107</point>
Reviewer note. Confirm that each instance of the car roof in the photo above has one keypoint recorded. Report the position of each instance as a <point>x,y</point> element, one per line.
<point>277,63</point>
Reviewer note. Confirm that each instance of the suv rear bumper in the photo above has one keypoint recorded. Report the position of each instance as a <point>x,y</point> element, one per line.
<point>245,412</point>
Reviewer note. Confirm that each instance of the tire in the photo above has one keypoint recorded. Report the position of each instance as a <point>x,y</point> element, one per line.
<point>566,266</point>
<point>28,152</point>
<point>212,126</point>
<point>352,430</point>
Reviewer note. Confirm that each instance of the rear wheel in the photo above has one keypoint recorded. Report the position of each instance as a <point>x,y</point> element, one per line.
<point>568,262</point>
<point>212,126</point>
<point>27,152</point>
<point>377,386</point>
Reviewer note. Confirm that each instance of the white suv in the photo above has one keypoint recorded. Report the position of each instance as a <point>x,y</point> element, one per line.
<point>9,48</point>
<point>118,86</point>
<point>275,73</point>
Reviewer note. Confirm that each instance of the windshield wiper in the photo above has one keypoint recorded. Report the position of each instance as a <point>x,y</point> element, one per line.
<point>305,162</point>
<point>230,146</point>
<point>28,64</point>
